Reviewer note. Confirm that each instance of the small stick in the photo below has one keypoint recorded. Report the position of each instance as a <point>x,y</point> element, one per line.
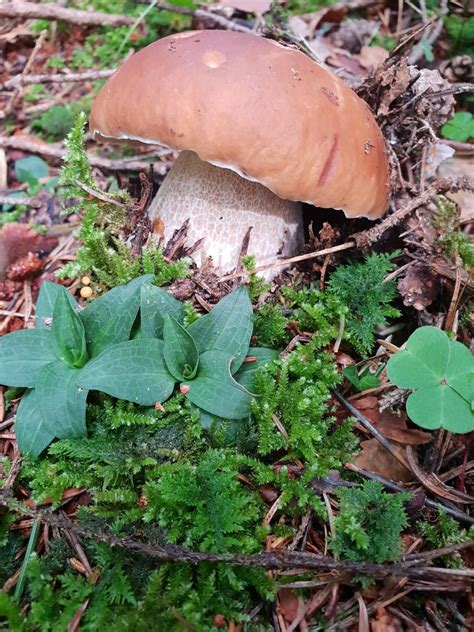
<point>284,262</point>
<point>28,10</point>
<point>91,75</point>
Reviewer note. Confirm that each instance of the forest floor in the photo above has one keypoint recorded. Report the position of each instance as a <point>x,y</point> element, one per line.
<point>328,507</point>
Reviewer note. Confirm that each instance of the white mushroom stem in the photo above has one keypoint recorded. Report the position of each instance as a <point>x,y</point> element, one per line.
<point>222,206</point>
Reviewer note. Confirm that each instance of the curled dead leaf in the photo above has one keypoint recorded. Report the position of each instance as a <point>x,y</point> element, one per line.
<point>419,286</point>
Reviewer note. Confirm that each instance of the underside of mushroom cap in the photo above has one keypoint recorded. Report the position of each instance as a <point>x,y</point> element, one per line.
<point>256,107</point>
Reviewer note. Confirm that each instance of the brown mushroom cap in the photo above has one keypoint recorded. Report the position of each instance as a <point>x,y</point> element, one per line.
<point>249,104</point>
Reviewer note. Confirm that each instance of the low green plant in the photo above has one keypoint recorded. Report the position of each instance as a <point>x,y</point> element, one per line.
<point>441,373</point>
<point>207,358</point>
<point>460,127</point>
<point>56,122</point>
<point>461,31</point>
<point>443,532</point>
<point>103,254</point>
<point>360,287</point>
<point>61,361</point>
<point>47,360</point>
<point>364,380</point>
<point>369,524</point>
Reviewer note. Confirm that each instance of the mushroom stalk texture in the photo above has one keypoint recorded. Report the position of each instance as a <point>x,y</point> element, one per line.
<point>222,206</point>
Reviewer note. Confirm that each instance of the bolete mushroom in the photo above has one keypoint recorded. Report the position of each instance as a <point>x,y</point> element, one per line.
<point>261,128</point>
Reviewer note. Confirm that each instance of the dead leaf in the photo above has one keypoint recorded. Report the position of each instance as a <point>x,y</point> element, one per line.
<point>370,57</point>
<point>373,457</point>
<point>288,604</point>
<point>394,427</point>
<point>457,167</point>
<point>257,7</point>
<point>17,240</point>
<point>385,622</point>
<point>419,286</point>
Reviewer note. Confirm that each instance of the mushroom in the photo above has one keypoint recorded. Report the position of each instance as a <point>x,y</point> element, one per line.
<point>261,128</point>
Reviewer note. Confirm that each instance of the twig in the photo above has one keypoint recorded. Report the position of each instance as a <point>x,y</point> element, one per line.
<point>18,201</point>
<point>275,560</point>
<point>59,152</point>
<point>90,75</point>
<point>28,10</point>
<point>284,262</point>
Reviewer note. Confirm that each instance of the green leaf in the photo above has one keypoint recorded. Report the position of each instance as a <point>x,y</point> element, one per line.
<point>440,407</point>
<point>460,127</point>
<point>155,304</point>
<point>423,362</point>
<point>30,169</point>
<point>68,332</point>
<point>245,376</point>
<point>61,402</point>
<point>47,296</point>
<point>179,350</point>
<point>133,370</point>
<point>23,354</point>
<point>109,319</point>
<point>30,430</point>
<point>215,390</point>
<point>227,328</point>
<point>460,370</point>
<point>360,382</point>
<point>442,371</point>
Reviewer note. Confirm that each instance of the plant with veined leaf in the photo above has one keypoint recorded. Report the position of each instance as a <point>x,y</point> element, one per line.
<point>441,373</point>
<point>208,359</point>
<point>71,352</point>
<point>48,359</point>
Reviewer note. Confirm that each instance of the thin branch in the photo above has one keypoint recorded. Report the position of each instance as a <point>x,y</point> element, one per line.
<point>90,75</point>
<point>28,10</point>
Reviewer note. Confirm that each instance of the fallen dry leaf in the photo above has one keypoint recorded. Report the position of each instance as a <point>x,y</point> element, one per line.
<point>370,57</point>
<point>373,457</point>
<point>456,167</point>
<point>288,604</point>
<point>17,240</point>
<point>419,286</point>
<point>394,427</point>
<point>257,7</point>
<point>385,622</point>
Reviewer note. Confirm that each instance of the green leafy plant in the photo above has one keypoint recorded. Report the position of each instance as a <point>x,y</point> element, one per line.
<point>460,127</point>
<point>461,31</point>
<point>207,358</point>
<point>369,524</point>
<point>56,122</point>
<point>103,254</point>
<point>360,287</point>
<point>446,531</point>
<point>441,373</point>
<point>47,360</point>
<point>364,380</point>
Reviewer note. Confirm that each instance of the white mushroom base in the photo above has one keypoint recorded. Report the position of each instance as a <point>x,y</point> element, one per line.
<point>222,206</point>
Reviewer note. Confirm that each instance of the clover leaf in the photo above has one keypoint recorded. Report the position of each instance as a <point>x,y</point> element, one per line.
<point>441,373</point>
<point>48,359</point>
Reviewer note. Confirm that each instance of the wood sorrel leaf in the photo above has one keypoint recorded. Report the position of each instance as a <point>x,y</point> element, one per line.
<point>47,296</point>
<point>155,304</point>
<point>23,354</point>
<point>245,376</point>
<point>109,319</point>
<point>440,407</point>
<point>179,350</point>
<point>442,372</point>
<point>424,360</point>
<point>68,332</point>
<point>227,328</point>
<point>133,370</point>
<point>61,402</point>
<point>30,430</point>
<point>460,370</point>
<point>215,390</point>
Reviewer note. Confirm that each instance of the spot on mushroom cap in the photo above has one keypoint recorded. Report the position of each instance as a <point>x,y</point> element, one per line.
<point>266,111</point>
